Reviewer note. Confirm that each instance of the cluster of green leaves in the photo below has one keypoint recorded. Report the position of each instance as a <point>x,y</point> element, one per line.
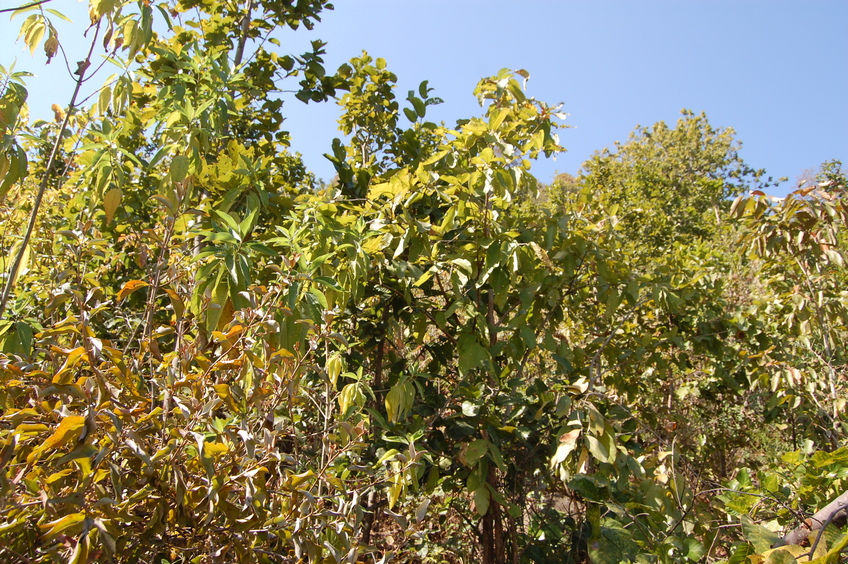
<point>670,185</point>
<point>207,357</point>
<point>13,159</point>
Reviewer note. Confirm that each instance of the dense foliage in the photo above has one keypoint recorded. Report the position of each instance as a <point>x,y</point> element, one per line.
<point>208,356</point>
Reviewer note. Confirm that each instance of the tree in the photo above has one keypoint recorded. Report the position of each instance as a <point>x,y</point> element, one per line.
<point>669,185</point>
<point>800,241</point>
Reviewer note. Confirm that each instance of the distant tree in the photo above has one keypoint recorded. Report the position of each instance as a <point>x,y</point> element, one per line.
<point>667,184</point>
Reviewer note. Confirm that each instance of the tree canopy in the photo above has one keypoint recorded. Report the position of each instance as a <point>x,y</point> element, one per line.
<point>670,185</point>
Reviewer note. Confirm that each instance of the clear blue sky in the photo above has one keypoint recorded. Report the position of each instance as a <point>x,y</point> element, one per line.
<point>776,71</point>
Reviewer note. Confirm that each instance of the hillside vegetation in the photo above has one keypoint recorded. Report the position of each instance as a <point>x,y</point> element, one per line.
<point>209,356</point>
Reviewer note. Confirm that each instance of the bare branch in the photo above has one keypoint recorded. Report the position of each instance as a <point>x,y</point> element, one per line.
<point>25,6</point>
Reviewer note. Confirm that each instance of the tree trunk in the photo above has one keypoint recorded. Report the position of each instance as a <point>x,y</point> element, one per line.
<point>492,536</point>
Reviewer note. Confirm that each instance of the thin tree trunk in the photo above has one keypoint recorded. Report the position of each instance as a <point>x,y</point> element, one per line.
<point>33,215</point>
<point>242,40</point>
<point>492,536</point>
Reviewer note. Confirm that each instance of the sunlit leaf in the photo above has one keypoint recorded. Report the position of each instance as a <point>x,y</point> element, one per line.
<point>130,287</point>
<point>111,203</point>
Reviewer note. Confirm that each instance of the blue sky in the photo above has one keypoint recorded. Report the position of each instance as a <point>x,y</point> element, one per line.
<point>775,71</point>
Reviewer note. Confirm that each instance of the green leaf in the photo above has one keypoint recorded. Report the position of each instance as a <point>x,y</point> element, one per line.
<point>587,486</point>
<point>528,336</point>
<point>481,500</point>
<point>167,203</point>
<point>418,104</point>
<point>496,457</point>
<point>59,15</point>
<point>421,510</point>
<point>598,449</point>
<point>16,169</point>
<point>246,226</point>
<point>24,334</point>
<point>769,482</point>
<point>477,477</point>
<point>475,451</point>
<point>388,455</point>
<point>694,550</point>
<point>470,409</point>
<point>612,545</point>
<point>219,296</point>
<point>319,295</point>
<point>179,168</point>
<point>744,477</point>
<point>329,282</point>
<point>231,223</point>
<point>757,535</point>
<point>471,353</point>
<point>740,555</point>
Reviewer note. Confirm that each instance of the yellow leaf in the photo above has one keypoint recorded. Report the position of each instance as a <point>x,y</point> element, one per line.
<point>235,331</point>
<point>58,526</point>
<point>334,368</point>
<point>23,267</point>
<point>399,401</point>
<point>30,428</point>
<point>176,302</point>
<point>59,475</point>
<point>373,245</point>
<point>793,550</point>
<point>282,353</point>
<point>153,414</point>
<point>68,430</point>
<point>65,375</point>
<point>294,480</point>
<point>34,34</point>
<point>567,444</point>
<point>104,100</point>
<point>98,8</point>
<point>80,554</point>
<point>111,203</point>
<point>215,449</point>
<point>131,287</point>
<point>218,336</point>
<point>51,46</point>
<point>396,489</point>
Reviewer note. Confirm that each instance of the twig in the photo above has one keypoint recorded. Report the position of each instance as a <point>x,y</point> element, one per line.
<point>24,7</point>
